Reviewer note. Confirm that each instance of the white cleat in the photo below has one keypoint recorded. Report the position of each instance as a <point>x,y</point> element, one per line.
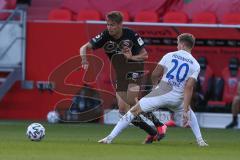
<point>106,140</point>
<point>202,143</point>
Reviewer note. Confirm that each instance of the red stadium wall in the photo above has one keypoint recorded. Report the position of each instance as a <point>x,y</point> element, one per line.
<point>51,45</point>
<point>48,46</point>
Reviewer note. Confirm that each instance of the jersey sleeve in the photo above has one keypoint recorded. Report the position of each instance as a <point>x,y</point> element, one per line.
<point>137,41</point>
<point>196,73</point>
<point>99,40</point>
<point>163,60</point>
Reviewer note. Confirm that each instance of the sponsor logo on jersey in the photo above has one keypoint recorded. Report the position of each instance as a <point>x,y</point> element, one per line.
<point>111,46</point>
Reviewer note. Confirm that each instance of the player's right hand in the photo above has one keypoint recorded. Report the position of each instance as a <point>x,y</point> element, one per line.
<point>185,119</point>
<point>127,52</point>
<point>85,65</point>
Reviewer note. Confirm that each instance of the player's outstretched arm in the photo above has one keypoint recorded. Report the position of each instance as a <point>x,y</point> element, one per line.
<point>188,91</point>
<point>157,74</point>
<point>83,53</point>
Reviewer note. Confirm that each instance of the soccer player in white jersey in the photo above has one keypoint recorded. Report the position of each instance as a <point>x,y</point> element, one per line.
<point>173,79</point>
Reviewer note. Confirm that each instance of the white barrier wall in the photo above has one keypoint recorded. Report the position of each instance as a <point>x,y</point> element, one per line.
<point>205,120</point>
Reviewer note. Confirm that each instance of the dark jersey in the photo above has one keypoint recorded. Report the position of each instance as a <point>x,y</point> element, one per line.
<point>125,69</point>
<point>114,46</point>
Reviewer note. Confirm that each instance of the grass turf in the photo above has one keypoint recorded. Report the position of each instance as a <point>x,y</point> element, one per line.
<point>79,141</point>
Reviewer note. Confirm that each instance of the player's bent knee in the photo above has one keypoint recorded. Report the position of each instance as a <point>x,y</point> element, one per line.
<point>136,110</point>
<point>132,103</point>
<point>123,108</point>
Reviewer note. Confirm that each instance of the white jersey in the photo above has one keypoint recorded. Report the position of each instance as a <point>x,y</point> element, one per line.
<point>179,66</point>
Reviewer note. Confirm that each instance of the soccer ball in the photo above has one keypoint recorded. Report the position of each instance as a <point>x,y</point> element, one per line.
<point>35,132</point>
<point>53,117</point>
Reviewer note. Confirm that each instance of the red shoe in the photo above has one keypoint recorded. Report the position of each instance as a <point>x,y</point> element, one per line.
<point>149,139</point>
<point>171,123</point>
<point>161,132</point>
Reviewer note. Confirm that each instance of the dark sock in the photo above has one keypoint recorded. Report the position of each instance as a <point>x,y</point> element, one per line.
<point>153,118</point>
<point>137,121</point>
<point>235,119</point>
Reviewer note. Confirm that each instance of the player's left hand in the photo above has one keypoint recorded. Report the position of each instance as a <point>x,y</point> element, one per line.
<point>127,52</point>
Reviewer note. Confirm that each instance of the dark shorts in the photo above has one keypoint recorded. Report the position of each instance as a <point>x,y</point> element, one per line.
<point>122,82</point>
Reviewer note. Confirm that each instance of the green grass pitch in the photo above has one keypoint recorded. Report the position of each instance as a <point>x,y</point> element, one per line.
<point>79,142</point>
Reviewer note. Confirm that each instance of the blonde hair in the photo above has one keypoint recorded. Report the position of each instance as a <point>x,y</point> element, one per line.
<point>188,39</point>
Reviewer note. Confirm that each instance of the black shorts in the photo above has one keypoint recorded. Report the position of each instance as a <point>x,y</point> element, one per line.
<point>122,82</point>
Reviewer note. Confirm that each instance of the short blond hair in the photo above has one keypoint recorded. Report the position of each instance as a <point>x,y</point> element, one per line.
<point>188,39</point>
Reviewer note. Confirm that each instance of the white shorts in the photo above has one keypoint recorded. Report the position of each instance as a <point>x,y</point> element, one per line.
<point>153,101</point>
<point>170,100</point>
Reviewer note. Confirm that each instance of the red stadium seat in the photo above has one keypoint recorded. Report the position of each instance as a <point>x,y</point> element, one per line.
<point>230,87</point>
<point>84,15</point>
<point>231,75</point>
<point>175,17</point>
<point>60,14</point>
<point>146,16</point>
<point>11,4</point>
<point>205,18</point>
<point>126,16</point>
<point>231,18</point>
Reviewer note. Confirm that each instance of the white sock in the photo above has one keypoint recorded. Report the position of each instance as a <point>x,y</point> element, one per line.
<point>121,125</point>
<point>194,125</point>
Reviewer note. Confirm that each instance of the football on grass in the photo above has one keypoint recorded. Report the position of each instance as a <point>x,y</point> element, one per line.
<point>35,132</point>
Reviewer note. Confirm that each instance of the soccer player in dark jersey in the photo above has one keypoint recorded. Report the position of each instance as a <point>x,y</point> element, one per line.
<point>125,49</point>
